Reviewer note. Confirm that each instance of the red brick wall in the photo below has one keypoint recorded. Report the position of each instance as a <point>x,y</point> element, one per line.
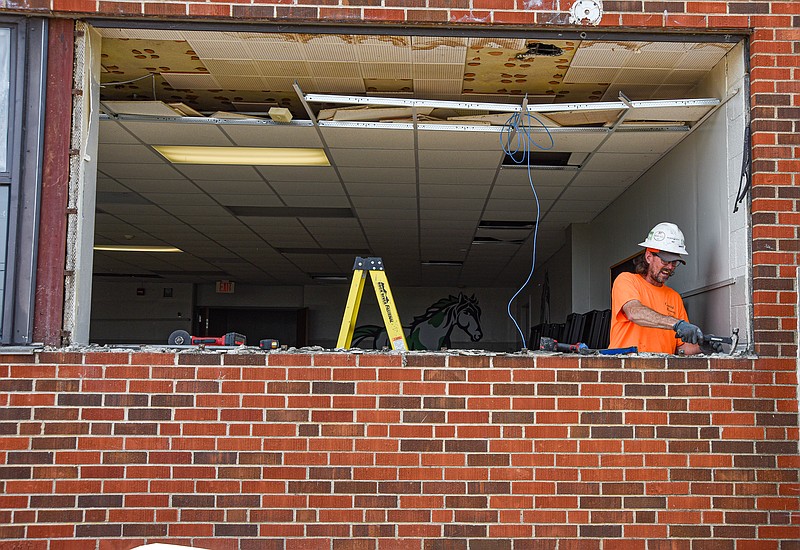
<point>380,451</point>
<point>775,81</point>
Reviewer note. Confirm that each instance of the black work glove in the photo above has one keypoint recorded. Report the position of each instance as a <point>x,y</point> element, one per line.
<point>711,347</point>
<point>689,333</point>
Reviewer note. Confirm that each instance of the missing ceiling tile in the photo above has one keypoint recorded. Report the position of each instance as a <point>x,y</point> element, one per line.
<point>506,224</point>
<point>537,158</point>
<point>540,49</point>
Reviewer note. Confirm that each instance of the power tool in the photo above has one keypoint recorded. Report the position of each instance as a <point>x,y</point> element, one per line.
<point>269,343</point>
<point>183,338</point>
<point>549,344</point>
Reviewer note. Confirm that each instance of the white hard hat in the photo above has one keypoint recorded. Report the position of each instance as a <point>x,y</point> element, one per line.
<point>667,237</point>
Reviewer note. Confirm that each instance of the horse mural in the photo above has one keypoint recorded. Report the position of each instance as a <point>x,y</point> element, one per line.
<point>432,329</point>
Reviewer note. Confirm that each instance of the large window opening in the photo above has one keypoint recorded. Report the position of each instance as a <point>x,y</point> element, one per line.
<point>653,132</point>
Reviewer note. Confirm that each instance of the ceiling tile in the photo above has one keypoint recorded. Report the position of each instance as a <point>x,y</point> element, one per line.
<point>244,83</point>
<point>602,54</point>
<point>437,88</point>
<point>608,162</point>
<point>271,136</point>
<point>581,205</point>
<point>590,75</point>
<point>110,153</point>
<point>340,85</point>
<point>163,133</point>
<point>652,59</point>
<point>307,189</point>
<point>393,49</point>
<point>408,203</point>
<point>642,142</point>
<point>188,199</point>
<point>451,203</point>
<point>442,159</point>
<point>328,69</point>
<point>220,172</point>
<point>114,132</point>
<point>333,48</point>
<point>439,71</point>
<point>191,81</point>
<point>219,49</point>
<point>230,67</point>
<point>321,174</point>
<point>334,201</point>
<point>382,189</point>
<point>457,176</point>
<point>384,158</point>
<point>233,188</point>
<point>462,141</point>
<point>524,192</point>
<point>568,140</point>
<point>378,173</point>
<point>387,216</point>
<point>389,70</point>
<point>290,69</point>
<point>467,216</point>
<point>367,138</point>
<point>541,178</point>
<point>429,190</point>
<point>121,171</point>
<point>597,192</point>
<point>274,51</point>
<point>635,76</point>
<point>704,56</point>
<point>249,200</point>
<point>590,179</point>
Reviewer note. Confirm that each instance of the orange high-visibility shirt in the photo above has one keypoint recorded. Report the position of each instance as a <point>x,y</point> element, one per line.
<point>662,299</point>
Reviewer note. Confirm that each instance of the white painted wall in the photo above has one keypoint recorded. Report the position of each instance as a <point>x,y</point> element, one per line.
<point>693,186</point>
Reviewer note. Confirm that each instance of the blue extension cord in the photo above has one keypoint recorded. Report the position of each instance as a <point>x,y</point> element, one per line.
<point>517,131</point>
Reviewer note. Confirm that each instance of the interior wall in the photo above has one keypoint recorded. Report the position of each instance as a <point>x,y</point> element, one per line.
<point>693,187</point>
<point>120,314</point>
<point>129,312</point>
<point>561,279</point>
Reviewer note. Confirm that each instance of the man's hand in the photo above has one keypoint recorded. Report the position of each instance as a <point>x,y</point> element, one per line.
<point>689,333</point>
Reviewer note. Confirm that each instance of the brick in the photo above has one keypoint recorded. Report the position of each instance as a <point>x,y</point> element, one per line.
<point>30,457</point>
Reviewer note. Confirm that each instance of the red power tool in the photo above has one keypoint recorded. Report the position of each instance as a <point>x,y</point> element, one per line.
<point>183,338</point>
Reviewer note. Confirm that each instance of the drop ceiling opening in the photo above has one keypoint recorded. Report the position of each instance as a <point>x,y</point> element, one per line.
<point>425,185</point>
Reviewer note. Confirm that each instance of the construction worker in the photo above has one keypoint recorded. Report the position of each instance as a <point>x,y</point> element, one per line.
<point>644,311</point>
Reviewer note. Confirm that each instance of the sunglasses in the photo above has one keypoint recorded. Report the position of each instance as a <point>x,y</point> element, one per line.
<point>674,263</point>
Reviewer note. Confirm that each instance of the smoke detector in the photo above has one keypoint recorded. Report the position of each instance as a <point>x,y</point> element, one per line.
<point>585,12</point>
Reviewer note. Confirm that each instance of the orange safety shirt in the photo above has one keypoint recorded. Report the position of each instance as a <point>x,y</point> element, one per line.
<point>662,299</point>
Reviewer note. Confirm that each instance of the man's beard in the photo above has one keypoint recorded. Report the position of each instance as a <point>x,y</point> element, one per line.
<point>660,275</point>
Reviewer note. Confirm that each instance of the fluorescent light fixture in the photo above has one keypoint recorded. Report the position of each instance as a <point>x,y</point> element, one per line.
<point>134,248</point>
<point>247,156</point>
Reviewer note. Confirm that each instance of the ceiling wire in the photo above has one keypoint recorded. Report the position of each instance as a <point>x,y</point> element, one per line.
<point>515,137</point>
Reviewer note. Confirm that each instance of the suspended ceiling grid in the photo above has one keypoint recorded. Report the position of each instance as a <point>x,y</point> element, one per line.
<point>414,196</point>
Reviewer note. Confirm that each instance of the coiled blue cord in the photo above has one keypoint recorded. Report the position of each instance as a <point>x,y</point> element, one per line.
<point>515,136</point>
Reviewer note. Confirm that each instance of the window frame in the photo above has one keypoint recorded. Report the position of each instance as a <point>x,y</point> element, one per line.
<point>27,82</point>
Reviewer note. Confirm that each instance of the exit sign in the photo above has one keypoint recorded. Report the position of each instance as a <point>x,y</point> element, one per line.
<point>225,287</point>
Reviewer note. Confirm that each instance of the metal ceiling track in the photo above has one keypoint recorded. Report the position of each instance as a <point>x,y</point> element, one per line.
<point>509,107</point>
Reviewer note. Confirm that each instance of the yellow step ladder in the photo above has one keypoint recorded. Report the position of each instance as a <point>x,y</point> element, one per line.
<point>394,329</point>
